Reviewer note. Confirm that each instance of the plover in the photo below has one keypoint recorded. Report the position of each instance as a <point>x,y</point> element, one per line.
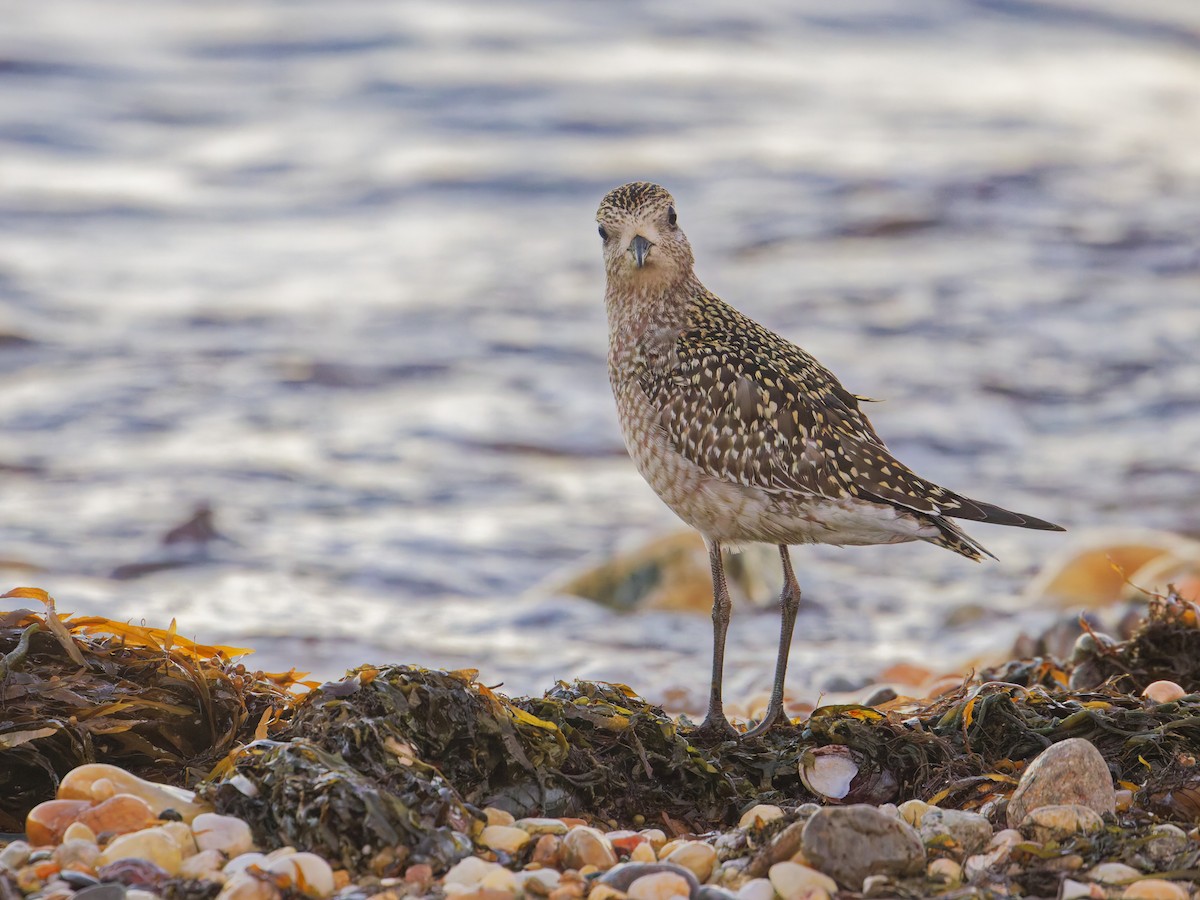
<point>743,434</point>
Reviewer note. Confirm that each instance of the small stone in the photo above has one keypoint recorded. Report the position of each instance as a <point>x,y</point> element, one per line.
<point>244,886</point>
<point>229,834</point>
<point>243,860</point>
<point>77,831</point>
<point>96,782</point>
<point>46,823</point>
<point>77,854</point>
<point>1154,889</point>
<point>76,879</point>
<point>1071,772</point>
<point>946,871</point>
<point>470,871</point>
<point>181,833</point>
<point>1164,843</point>
<point>309,873</point>
<point>548,879</point>
<point>912,811</point>
<point>656,836</point>
<point>601,891</point>
<point>15,855</point>
<point>134,873</point>
<point>670,846</point>
<point>584,846</point>
<point>1163,692</point>
<point>151,844</point>
<point>643,853</point>
<point>1077,890</point>
<point>879,886</point>
<point>695,856</point>
<point>1113,873</point>
<point>1054,823</point>
<point>542,826</point>
<point>969,830</point>
<point>794,880</point>
<point>102,892</point>
<point>547,850</point>
<point>851,842</point>
<point>280,852</point>
<point>757,889</point>
<point>499,879</point>
<point>759,815</point>
<point>504,838</point>
<point>624,875</point>
<point>139,894</point>
<point>497,816</point>
<point>203,866</point>
<point>659,886</point>
<point>1124,799</point>
<point>119,814</point>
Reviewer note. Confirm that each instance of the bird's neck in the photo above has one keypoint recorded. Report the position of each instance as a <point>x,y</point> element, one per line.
<point>637,308</point>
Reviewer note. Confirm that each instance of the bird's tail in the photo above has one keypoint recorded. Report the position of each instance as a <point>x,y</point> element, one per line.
<point>954,538</point>
<point>978,511</point>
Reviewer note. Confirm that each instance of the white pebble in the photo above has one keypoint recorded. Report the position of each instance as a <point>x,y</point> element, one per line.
<point>77,831</point>
<point>757,889</point>
<point>760,814</point>
<point>241,861</point>
<point>695,856</point>
<point>228,834</point>
<point>659,886</point>
<point>244,886</point>
<point>505,838</point>
<point>203,866</point>
<point>152,844</point>
<point>794,880</point>
<point>470,871</point>
<point>499,879</point>
<point>1113,873</point>
<point>1163,691</point>
<point>309,873</point>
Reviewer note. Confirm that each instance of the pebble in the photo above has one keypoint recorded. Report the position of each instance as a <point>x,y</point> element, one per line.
<point>139,894</point>
<point>757,889</point>
<point>243,886</point>
<point>969,830</point>
<point>77,854</point>
<point>583,846</point>
<point>643,853</point>
<point>625,874</point>
<point>15,855</point>
<point>47,822</point>
<point>1054,823</point>
<point>470,871</point>
<point>1071,772</point>
<point>849,843</point>
<point>695,856</point>
<point>77,831</point>
<point>500,879</point>
<point>912,811</point>
<point>791,879</point>
<point>228,834</point>
<point>1164,843</point>
<point>203,866</point>
<point>945,870</point>
<point>1163,691</point>
<point>96,782</point>
<point>497,816</point>
<point>242,860</point>
<point>1112,873</point>
<point>1078,890</point>
<point>547,878</point>
<point>151,844</point>
<point>504,838</point>
<point>759,815</point>
<point>102,892</point>
<point>547,850</point>
<point>309,873</point>
<point>119,814</point>
<point>656,836</point>
<point>659,886</point>
<point>1154,889</point>
<point>134,873</point>
<point>542,826</point>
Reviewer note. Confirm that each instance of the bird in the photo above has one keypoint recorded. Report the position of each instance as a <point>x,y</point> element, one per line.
<point>744,435</point>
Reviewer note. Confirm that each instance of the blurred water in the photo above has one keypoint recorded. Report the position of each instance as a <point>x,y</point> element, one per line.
<point>333,269</point>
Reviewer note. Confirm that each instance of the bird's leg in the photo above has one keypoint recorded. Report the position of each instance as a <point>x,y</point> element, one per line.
<point>715,726</point>
<point>789,601</point>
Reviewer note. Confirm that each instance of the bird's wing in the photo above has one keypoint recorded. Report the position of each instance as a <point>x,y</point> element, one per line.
<point>778,420</point>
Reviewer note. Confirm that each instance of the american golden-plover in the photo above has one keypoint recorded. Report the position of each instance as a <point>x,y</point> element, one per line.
<point>743,434</point>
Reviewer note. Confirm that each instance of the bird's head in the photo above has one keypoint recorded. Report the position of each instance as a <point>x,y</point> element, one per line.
<point>643,243</point>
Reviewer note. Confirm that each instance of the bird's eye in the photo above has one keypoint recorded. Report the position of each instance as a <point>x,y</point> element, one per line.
<point>603,234</point>
<point>671,217</point>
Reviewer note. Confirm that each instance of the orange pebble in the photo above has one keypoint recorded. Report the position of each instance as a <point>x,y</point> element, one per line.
<point>46,822</point>
<point>45,869</point>
<point>119,814</point>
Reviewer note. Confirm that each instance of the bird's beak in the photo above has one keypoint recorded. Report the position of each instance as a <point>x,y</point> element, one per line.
<point>640,248</point>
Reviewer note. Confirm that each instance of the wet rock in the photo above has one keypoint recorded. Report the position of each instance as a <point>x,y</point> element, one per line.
<point>695,856</point>
<point>624,875</point>
<point>1113,873</point>
<point>659,886</point>
<point>119,814</point>
<point>102,892</point>
<point>306,873</point>
<point>759,815</point>
<point>47,822</point>
<point>1154,889</point>
<point>791,879</point>
<point>586,846</point>
<point>96,782</point>
<point>547,850</point>
<point>1054,823</point>
<point>969,830</point>
<point>849,843</point>
<point>152,844</point>
<point>504,838</point>
<point>228,834</point>
<point>757,889</point>
<point>1071,772</point>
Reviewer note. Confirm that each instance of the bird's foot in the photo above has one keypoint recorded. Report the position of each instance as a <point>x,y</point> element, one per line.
<point>714,729</point>
<point>773,717</point>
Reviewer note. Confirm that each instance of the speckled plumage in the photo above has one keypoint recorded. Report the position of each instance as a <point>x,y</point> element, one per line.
<point>742,433</point>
